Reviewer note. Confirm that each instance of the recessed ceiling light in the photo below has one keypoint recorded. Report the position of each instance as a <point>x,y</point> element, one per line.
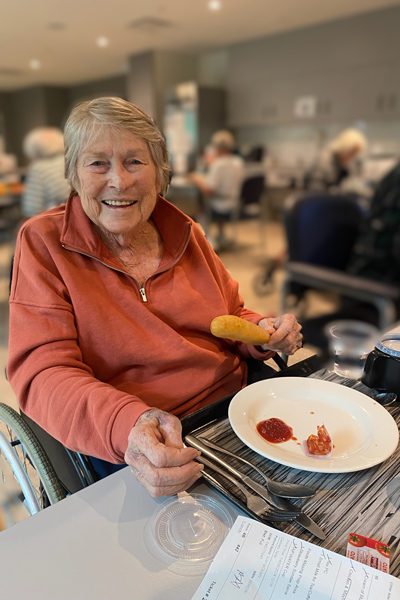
<point>214,5</point>
<point>35,64</point>
<point>102,41</point>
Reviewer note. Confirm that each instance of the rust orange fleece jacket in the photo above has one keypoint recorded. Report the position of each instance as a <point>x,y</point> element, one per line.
<point>89,351</point>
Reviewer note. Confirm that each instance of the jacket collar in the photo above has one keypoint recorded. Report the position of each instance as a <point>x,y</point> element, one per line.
<point>81,235</point>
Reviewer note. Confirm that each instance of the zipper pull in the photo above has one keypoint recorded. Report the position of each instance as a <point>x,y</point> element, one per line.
<point>143,294</point>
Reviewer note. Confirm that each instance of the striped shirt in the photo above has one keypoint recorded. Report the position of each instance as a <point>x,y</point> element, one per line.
<point>45,185</point>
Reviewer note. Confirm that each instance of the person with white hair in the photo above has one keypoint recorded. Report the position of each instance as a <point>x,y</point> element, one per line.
<point>111,302</point>
<point>45,184</point>
<point>339,166</point>
<point>222,184</point>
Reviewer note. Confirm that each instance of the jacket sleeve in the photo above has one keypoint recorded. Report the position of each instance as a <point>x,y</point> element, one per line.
<point>45,366</point>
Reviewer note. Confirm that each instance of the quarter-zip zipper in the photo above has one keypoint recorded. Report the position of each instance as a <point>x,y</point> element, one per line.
<point>142,290</point>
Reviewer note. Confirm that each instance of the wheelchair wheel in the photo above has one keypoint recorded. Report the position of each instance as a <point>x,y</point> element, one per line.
<point>29,480</point>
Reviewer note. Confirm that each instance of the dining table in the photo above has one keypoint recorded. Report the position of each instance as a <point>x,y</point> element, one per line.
<point>95,543</point>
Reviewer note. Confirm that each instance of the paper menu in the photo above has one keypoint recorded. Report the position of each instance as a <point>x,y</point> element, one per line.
<point>260,563</point>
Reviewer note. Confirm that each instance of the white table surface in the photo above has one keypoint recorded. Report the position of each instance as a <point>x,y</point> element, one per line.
<point>91,546</point>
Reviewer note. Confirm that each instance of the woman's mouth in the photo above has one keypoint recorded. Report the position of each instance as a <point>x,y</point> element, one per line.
<point>119,203</point>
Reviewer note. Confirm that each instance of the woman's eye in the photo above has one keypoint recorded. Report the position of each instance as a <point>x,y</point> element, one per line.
<point>98,166</point>
<point>134,161</point>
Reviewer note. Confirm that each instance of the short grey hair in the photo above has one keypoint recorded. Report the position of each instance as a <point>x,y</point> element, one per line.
<point>43,142</point>
<point>85,119</point>
<point>223,140</point>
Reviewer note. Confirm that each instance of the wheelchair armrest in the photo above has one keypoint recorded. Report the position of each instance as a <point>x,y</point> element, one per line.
<point>342,283</point>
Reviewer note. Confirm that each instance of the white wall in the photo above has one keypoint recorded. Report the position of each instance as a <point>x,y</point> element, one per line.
<point>352,68</point>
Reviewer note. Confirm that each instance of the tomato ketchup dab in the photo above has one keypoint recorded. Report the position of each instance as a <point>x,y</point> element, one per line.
<point>275,430</point>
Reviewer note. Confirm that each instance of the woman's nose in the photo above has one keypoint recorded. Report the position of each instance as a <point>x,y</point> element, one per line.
<point>119,178</point>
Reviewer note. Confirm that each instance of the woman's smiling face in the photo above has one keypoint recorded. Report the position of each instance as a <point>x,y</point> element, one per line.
<point>117,181</point>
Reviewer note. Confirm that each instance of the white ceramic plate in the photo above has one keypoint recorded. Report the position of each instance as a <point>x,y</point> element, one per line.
<point>363,433</point>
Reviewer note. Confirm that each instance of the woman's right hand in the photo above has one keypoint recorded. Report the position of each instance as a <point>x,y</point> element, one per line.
<point>157,456</point>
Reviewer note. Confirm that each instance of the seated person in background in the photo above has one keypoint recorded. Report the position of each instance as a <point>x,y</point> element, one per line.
<point>339,168</point>
<point>222,184</point>
<point>111,302</point>
<point>376,254</point>
<point>45,184</point>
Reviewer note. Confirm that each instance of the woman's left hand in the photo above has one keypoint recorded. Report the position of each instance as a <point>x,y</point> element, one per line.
<point>285,333</point>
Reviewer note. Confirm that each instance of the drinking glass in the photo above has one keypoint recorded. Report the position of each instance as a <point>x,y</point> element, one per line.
<point>349,343</point>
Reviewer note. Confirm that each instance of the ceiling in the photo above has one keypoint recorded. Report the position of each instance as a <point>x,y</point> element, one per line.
<point>62,35</point>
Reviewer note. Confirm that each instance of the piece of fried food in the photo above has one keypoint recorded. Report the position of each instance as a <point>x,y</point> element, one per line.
<point>320,444</point>
<point>238,329</point>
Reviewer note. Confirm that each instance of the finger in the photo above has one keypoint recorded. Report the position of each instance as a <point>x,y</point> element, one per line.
<point>167,476</point>
<point>293,339</point>
<point>297,337</point>
<point>288,319</point>
<point>278,337</point>
<point>291,348</point>
<point>285,326</point>
<point>289,344</point>
<point>171,490</point>
<point>281,319</point>
<point>268,324</point>
<point>146,440</point>
<point>162,456</point>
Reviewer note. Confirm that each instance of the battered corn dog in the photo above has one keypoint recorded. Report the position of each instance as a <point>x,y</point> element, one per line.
<point>239,330</point>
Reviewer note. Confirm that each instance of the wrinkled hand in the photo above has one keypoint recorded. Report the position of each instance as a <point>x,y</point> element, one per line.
<point>285,333</point>
<point>157,457</point>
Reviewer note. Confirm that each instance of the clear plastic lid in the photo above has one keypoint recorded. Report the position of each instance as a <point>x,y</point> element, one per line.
<point>187,531</point>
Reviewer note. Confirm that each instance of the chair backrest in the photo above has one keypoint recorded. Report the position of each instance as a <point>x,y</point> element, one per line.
<point>252,189</point>
<point>321,229</point>
<point>250,196</point>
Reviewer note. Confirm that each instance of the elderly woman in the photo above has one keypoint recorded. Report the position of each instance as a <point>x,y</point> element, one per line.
<point>45,184</point>
<point>111,302</point>
<point>339,165</point>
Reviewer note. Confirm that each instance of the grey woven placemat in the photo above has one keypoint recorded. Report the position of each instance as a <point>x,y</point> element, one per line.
<point>367,502</point>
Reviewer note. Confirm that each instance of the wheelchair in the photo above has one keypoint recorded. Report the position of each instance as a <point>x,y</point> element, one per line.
<point>321,230</point>
<point>36,470</point>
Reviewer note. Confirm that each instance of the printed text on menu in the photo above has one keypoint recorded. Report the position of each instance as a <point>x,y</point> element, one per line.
<point>260,563</point>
